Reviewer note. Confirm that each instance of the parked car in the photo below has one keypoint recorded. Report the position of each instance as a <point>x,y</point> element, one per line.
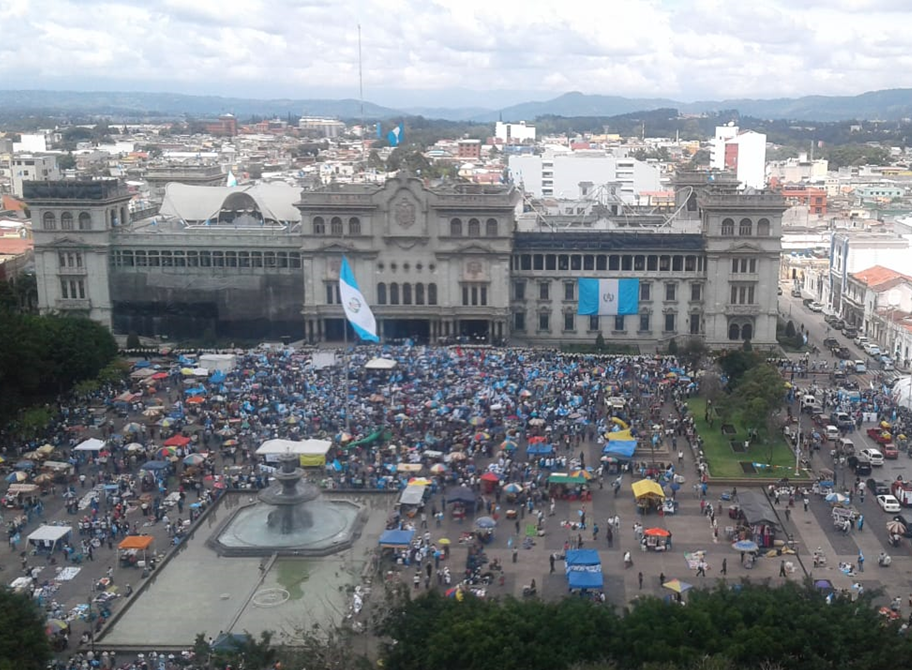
<point>842,421</point>
<point>779,291</point>
<point>831,343</point>
<point>860,367</point>
<point>860,340</point>
<point>815,307</point>
<point>842,353</point>
<point>839,324</point>
<point>873,456</point>
<point>879,487</point>
<point>888,503</point>
<point>890,451</point>
<point>906,524</point>
<point>862,468</point>
<point>796,292</point>
<point>830,319</point>
<point>850,331</point>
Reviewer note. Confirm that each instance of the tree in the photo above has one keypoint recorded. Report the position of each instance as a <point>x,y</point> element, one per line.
<point>693,352</point>
<point>736,362</point>
<point>759,394</point>
<point>599,342</point>
<point>672,347</point>
<point>66,162</point>
<point>133,340</point>
<point>23,642</point>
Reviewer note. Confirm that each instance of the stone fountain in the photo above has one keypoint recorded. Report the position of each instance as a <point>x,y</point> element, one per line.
<point>290,517</point>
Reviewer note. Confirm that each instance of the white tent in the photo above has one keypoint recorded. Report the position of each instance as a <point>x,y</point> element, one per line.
<point>902,392</point>
<point>221,362</point>
<point>92,444</point>
<point>48,536</point>
<point>311,452</point>
<point>380,364</point>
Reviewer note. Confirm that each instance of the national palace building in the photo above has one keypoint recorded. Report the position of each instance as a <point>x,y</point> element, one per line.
<point>434,262</point>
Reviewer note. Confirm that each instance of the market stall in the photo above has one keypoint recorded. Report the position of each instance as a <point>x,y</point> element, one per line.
<point>133,549</point>
<point>92,444</point>
<point>655,539</point>
<point>648,494</point>
<point>584,570</point>
<point>49,538</point>
<point>756,519</point>
<point>568,486</point>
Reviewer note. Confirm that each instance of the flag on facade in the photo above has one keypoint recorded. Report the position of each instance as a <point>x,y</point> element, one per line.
<point>396,135</point>
<point>357,312</point>
<point>232,180</point>
<point>608,297</point>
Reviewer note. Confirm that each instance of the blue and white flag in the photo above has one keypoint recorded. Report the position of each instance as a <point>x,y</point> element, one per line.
<point>396,135</point>
<point>608,297</point>
<point>232,180</point>
<point>357,312</point>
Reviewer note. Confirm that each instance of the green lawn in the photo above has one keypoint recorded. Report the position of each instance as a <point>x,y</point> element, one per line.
<point>723,462</point>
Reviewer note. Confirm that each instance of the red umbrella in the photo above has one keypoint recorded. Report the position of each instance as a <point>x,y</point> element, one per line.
<point>490,477</point>
<point>160,375</point>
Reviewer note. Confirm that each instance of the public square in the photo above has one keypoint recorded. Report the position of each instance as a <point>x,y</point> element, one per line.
<point>447,414</point>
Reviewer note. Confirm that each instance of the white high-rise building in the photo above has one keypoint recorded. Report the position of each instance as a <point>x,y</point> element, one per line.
<point>514,133</point>
<point>743,152</point>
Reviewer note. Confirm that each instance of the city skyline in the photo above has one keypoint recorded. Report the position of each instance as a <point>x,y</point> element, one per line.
<point>470,54</point>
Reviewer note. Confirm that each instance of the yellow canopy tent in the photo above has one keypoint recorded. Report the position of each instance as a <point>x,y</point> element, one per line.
<point>647,488</point>
<point>620,436</point>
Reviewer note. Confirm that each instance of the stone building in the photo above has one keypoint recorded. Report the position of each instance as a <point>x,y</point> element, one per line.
<point>433,262</point>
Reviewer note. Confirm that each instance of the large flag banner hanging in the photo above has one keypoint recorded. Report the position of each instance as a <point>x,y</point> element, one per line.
<point>357,312</point>
<point>608,297</point>
<point>396,135</point>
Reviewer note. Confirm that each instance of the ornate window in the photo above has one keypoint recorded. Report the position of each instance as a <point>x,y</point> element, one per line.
<point>746,228</point>
<point>419,293</point>
<point>319,225</point>
<point>66,221</point>
<point>455,228</point>
<point>406,294</point>
<point>85,221</point>
<point>49,221</point>
<point>335,227</point>
<point>491,228</point>
<point>354,226</point>
<point>432,294</point>
<point>474,228</point>
<point>381,293</point>
<point>763,228</point>
<point>394,293</point>
<point>728,227</point>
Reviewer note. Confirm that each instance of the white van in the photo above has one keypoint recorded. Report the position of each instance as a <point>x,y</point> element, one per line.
<point>845,447</point>
<point>832,433</point>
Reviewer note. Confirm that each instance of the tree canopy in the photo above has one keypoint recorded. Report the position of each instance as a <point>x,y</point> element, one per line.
<point>43,356</point>
<point>23,642</point>
<point>738,626</point>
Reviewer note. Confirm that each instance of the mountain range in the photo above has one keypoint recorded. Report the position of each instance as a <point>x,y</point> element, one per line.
<point>886,105</point>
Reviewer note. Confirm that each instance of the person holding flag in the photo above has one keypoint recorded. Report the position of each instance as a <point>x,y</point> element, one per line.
<point>357,312</point>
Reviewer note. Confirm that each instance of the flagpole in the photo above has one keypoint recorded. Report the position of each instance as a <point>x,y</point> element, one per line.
<point>345,362</point>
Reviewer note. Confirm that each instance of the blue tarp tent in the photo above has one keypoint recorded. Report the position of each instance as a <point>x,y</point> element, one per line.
<point>539,449</point>
<point>396,539</point>
<point>217,377</point>
<point>584,569</point>
<point>154,465</point>
<point>623,448</point>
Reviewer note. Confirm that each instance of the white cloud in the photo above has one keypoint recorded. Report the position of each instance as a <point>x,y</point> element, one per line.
<point>646,48</point>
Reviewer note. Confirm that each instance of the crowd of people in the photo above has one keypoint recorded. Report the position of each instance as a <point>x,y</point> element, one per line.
<point>470,411</point>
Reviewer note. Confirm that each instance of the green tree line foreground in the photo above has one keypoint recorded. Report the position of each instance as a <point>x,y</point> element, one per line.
<point>735,626</point>
<point>42,357</point>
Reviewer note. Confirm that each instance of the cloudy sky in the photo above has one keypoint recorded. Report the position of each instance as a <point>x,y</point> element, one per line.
<point>468,52</point>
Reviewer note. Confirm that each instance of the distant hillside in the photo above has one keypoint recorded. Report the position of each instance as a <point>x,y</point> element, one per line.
<point>888,105</point>
<point>171,104</point>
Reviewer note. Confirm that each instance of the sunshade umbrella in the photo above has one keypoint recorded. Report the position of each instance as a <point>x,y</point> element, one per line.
<point>438,468</point>
<point>32,455</point>
<point>508,445</point>
<point>896,527</point>
<point>15,477</point>
<point>656,532</point>
<point>823,584</point>
<point>194,459</point>
<point>195,400</point>
<point>419,481</point>
<point>489,477</point>
<point>54,626</point>
<point>677,585</point>
<point>132,427</point>
<point>536,422</point>
<point>836,498</point>
<point>24,465</point>
<point>165,452</point>
<point>585,474</point>
<point>482,436</point>
<point>45,450</point>
<point>745,545</point>
<point>513,488</point>
<point>455,456</point>
<point>160,375</point>
<point>229,443</point>
<point>135,446</point>
<point>443,541</point>
<point>43,479</point>
<point>476,421</point>
<point>485,522</point>
<point>153,412</point>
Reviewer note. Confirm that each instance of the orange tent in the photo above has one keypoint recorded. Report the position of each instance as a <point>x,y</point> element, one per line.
<point>140,542</point>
